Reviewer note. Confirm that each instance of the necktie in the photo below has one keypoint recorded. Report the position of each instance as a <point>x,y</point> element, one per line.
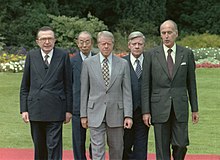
<point>138,68</point>
<point>105,72</point>
<point>170,63</point>
<point>46,60</point>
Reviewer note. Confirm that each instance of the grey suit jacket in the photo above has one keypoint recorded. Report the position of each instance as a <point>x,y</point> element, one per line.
<point>46,95</point>
<point>159,92</point>
<point>97,103</point>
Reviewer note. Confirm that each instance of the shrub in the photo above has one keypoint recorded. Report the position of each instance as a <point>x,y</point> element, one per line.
<point>68,28</point>
<point>201,41</point>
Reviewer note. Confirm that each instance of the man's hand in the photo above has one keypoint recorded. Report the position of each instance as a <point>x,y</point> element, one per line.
<point>128,123</point>
<point>147,119</point>
<point>195,117</point>
<point>84,122</point>
<point>25,117</point>
<point>68,117</point>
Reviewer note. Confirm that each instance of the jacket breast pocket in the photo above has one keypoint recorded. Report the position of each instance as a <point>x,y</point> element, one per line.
<point>91,105</point>
<point>155,99</point>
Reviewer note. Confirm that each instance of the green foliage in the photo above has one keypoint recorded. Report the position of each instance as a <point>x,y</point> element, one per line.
<point>2,44</point>
<point>195,16</point>
<point>126,26</point>
<point>22,24</point>
<point>201,41</point>
<point>21,18</point>
<point>67,28</point>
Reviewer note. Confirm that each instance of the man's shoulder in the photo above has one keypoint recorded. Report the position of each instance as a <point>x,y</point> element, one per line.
<point>60,50</point>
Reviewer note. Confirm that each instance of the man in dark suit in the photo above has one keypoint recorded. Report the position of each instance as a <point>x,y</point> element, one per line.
<point>106,100</point>
<point>84,43</point>
<point>46,95</point>
<point>169,80</point>
<point>136,138</point>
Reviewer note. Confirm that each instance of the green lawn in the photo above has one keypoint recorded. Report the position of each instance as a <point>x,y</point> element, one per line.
<point>204,137</point>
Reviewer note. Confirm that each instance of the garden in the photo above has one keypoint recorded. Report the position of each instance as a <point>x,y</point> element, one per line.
<point>14,62</point>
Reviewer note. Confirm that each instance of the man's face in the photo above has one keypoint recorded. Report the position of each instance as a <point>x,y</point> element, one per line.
<point>46,40</point>
<point>168,34</point>
<point>136,46</point>
<point>84,43</point>
<point>105,45</point>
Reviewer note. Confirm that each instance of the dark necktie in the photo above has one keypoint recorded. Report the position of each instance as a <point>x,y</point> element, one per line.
<point>46,60</point>
<point>138,68</point>
<point>170,63</point>
<point>105,72</point>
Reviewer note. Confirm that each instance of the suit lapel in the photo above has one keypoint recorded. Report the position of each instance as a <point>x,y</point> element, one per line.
<point>78,62</point>
<point>162,59</point>
<point>178,59</point>
<point>115,69</point>
<point>55,62</point>
<point>39,65</point>
<point>133,73</point>
<point>96,66</point>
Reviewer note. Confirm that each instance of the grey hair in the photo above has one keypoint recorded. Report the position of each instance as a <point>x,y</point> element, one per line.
<point>105,34</point>
<point>85,32</point>
<point>170,21</point>
<point>135,34</point>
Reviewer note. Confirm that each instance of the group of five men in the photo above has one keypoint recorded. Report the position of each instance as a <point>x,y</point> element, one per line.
<point>117,98</point>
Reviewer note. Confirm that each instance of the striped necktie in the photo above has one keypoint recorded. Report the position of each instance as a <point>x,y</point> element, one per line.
<point>46,60</point>
<point>170,63</point>
<point>138,68</point>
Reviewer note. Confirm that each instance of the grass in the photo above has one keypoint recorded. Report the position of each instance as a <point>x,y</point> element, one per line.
<point>204,136</point>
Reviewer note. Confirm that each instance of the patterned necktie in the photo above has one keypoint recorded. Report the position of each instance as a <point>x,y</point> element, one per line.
<point>138,68</point>
<point>46,60</point>
<point>105,72</point>
<point>170,63</point>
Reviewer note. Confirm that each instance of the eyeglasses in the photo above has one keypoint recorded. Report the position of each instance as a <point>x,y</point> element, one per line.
<point>49,39</point>
<point>84,42</point>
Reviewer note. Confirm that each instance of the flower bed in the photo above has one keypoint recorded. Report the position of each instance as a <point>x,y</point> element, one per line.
<point>204,58</point>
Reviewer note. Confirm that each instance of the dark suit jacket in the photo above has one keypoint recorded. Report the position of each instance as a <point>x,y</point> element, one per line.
<point>46,95</point>
<point>76,62</point>
<point>135,85</point>
<point>159,92</point>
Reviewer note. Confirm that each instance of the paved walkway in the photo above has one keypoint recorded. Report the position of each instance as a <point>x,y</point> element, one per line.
<point>27,154</point>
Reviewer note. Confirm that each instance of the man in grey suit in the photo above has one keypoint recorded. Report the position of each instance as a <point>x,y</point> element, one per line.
<point>169,80</point>
<point>46,95</point>
<point>106,100</point>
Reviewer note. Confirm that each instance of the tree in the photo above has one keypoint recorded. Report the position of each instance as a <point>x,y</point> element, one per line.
<point>68,28</point>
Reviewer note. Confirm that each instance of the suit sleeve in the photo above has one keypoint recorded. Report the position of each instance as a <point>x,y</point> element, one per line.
<point>127,94</point>
<point>84,90</point>
<point>68,84</point>
<point>191,83</point>
<point>146,83</point>
<point>25,85</point>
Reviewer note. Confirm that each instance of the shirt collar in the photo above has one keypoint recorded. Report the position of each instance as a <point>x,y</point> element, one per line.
<point>133,59</point>
<point>50,54</point>
<point>173,48</point>
<point>83,56</point>
<point>102,58</point>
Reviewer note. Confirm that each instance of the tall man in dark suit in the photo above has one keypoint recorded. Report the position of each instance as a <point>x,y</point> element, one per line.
<point>84,43</point>
<point>46,95</point>
<point>169,81</point>
<point>136,138</point>
<point>106,102</point>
